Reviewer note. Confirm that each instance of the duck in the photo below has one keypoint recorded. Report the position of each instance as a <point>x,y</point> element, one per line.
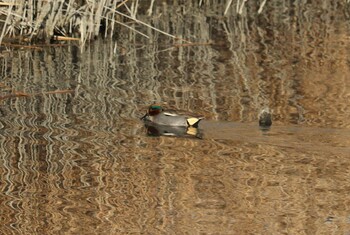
<point>156,114</point>
<point>173,131</point>
<point>265,118</point>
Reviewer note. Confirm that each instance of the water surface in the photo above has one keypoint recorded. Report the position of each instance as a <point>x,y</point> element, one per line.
<point>76,159</point>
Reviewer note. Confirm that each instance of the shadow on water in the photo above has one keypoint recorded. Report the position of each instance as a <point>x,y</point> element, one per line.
<point>81,162</point>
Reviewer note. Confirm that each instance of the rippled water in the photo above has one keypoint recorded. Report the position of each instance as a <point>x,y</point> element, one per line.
<point>76,159</point>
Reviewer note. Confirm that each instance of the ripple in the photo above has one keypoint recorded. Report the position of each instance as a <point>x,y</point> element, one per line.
<point>81,162</point>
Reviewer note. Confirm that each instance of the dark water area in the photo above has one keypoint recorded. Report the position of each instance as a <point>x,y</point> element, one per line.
<point>76,159</point>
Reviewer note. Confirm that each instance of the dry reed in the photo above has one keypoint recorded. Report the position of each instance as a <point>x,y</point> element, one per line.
<point>34,20</point>
<point>44,20</point>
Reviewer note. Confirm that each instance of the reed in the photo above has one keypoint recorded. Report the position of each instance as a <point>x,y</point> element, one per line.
<point>44,20</point>
<point>33,20</point>
<point>83,20</point>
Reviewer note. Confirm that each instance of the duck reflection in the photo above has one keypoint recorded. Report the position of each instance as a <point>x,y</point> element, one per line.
<point>177,131</point>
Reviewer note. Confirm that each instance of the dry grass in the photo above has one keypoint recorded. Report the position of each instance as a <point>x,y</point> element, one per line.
<point>43,20</point>
<point>82,20</point>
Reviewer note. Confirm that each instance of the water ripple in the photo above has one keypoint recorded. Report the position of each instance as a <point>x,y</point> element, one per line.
<point>81,162</point>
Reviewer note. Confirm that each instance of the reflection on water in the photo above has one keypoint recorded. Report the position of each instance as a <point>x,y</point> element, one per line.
<point>81,162</point>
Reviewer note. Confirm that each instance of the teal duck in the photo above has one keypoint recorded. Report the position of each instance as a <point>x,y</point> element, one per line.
<point>157,115</point>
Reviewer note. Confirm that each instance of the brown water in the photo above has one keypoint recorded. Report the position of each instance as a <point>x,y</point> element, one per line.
<point>79,161</point>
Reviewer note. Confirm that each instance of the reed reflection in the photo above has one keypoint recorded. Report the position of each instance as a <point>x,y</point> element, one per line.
<point>74,156</point>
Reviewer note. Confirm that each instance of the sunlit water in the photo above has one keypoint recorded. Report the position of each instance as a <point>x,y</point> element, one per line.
<point>76,159</point>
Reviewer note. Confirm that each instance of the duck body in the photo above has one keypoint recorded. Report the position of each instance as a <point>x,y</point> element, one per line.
<point>156,115</point>
<point>265,118</point>
<point>174,131</point>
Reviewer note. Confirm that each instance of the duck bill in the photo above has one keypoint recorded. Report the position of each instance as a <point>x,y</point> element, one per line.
<point>144,116</point>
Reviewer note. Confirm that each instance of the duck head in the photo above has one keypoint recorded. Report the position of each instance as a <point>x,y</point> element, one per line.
<point>153,110</point>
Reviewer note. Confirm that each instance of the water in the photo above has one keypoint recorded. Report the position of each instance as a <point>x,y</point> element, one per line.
<point>76,159</point>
